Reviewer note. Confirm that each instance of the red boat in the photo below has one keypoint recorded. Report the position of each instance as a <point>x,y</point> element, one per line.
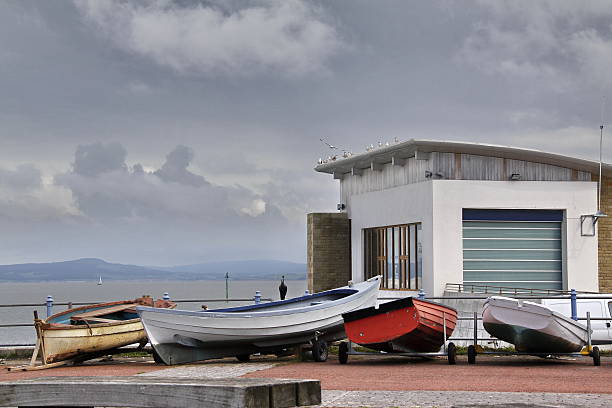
<point>401,326</point>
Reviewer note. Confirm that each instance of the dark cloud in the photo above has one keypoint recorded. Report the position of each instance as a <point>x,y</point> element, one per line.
<point>95,159</point>
<point>253,104</point>
<point>175,168</point>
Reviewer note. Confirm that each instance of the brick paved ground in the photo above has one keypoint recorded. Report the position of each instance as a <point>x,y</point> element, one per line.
<point>399,382</point>
<point>507,374</point>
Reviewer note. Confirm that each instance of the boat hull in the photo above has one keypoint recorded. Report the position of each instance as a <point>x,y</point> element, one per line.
<point>183,336</point>
<point>401,326</point>
<point>66,343</point>
<point>531,327</point>
<point>60,338</point>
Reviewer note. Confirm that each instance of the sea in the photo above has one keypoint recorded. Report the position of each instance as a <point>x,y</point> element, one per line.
<point>63,292</point>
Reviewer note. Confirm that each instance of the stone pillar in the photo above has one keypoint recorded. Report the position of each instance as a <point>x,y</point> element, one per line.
<point>329,250</point>
<point>604,237</point>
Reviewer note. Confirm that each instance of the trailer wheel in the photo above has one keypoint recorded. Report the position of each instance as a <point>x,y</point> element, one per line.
<point>451,352</point>
<point>471,355</point>
<point>596,356</point>
<point>244,358</point>
<point>319,350</point>
<point>343,353</point>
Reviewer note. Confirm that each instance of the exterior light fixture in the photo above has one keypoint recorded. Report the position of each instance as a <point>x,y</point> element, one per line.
<point>341,206</point>
<point>515,176</point>
<point>428,174</point>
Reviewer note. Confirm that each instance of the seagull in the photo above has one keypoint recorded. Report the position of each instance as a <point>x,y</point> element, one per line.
<point>328,145</point>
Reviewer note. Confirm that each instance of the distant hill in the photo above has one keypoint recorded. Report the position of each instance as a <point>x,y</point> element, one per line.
<point>92,269</point>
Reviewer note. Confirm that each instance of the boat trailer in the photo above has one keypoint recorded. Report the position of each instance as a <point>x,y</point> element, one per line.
<point>588,351</point>
<point>448,350</point>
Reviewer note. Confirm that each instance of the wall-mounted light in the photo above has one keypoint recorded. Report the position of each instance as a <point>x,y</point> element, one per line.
<point>593,218</point>
<point>428,174</point>
<point>341,206</point>
<point>515,176</point>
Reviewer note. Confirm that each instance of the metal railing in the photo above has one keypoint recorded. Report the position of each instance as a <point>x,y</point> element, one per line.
<point>49,304</point>
<point>504,290</point>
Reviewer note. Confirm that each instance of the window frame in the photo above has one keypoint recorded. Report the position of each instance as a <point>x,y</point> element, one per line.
<point>398,270</point>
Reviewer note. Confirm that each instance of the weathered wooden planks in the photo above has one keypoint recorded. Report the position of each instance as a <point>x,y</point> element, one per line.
<point>159,392</point>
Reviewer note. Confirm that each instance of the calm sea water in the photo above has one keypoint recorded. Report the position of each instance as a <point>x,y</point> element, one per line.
<point>13,293</point>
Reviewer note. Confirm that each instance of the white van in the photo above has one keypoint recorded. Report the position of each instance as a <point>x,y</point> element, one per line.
<point>602,332</point>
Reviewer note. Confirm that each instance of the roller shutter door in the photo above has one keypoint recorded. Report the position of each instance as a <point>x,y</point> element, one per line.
<point>513,248</point>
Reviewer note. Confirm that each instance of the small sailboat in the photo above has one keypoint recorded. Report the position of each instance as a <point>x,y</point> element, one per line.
<point>532,327</point>
<point>100,281</point>
<point>182,336</point>
<point>401,326</point>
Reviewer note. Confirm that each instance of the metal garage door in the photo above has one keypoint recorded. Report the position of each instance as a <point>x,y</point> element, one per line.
<point>513,248</point>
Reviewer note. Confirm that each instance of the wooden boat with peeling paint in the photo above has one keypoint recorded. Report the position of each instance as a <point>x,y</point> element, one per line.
<point>401,326</point>
<point>89,331</point>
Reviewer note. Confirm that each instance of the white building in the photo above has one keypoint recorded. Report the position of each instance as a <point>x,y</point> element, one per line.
<point>426,214</point>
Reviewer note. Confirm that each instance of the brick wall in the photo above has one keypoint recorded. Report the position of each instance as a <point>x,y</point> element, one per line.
<point>605,237</point>
<point>329,250</point>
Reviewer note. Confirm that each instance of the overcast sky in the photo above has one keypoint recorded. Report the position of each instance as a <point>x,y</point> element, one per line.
<point>174,132</point>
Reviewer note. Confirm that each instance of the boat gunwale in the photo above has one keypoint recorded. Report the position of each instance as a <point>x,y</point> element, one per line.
<point>62,326</point>
<point>553,314</point>
<point>397,304</point>
<point>75,309</point>
<point>369,285</point>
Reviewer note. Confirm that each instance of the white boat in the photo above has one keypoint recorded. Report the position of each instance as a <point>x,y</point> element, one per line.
<point>181,336</point>
<point>531,327</point>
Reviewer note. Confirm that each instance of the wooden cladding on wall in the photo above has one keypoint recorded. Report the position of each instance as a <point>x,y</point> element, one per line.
<point>453,166</point>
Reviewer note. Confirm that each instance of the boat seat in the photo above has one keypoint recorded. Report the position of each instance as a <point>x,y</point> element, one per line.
<point>103,311</point>
<point>95,320</point>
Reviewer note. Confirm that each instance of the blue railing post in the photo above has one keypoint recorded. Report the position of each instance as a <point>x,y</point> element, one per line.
<point>421,294</point>
<point>257,297</point>
<point>166,296</point>
<point>49,305</point>
<point>574,304</point>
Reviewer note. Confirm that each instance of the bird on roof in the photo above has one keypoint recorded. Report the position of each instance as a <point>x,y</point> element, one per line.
<point>327,144</point>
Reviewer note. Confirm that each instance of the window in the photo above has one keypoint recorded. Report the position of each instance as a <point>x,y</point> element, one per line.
<point>396,254</point>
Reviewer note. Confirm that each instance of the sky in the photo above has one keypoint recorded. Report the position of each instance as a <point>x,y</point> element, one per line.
<point>162,132</point>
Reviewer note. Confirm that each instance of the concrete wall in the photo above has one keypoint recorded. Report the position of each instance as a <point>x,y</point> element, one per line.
<point>576,198</point>
<point>329,251</point>
<point>605,238</point>
<point>400,205</point>
<point>438,205</point>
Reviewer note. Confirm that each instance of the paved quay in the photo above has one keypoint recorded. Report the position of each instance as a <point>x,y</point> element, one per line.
<point>398,382</point>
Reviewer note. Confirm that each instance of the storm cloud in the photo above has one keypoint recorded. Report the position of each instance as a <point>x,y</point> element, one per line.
<point>286,36</point>
<point>161,132</point>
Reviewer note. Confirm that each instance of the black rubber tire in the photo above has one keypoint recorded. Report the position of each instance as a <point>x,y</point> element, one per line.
<point>451,352</point>
<point>596,356</point>
<point>157,358</point>
<point>319,351</point>
<point>343,353</point>
<point>471,354</point>
<point>244,358</point>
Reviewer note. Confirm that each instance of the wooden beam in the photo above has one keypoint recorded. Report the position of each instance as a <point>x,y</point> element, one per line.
<point>421,155</point>
<point>160,392</point>
<point>458,175</point>
<point>376,166</point>
<point>356,172</point>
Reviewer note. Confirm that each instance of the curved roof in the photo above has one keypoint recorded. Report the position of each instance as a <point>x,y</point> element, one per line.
<point>409,148</point>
